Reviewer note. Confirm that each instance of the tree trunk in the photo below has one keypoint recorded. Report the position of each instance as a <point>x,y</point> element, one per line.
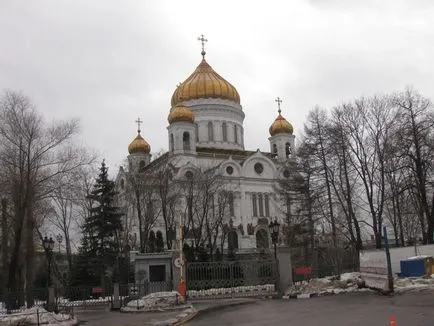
<point>5,247</point>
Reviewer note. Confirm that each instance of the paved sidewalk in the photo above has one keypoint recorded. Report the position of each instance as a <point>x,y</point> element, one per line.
<point>203,306</point>
<point>116,318</point>
<point>175,317</point>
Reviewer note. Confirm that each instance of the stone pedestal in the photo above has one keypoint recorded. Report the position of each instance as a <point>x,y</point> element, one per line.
<point>116,305</point>
<point>51,299</point>
<point>285,267</point>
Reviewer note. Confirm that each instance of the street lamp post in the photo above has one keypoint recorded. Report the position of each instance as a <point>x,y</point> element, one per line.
<point>48,245</point>
<point>59,239</point>
<point>274,231</point>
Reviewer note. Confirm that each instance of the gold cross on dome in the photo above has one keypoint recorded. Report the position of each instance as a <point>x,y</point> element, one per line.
<point>279,101</point>
<point>202,39</point>
<point>138,121</point>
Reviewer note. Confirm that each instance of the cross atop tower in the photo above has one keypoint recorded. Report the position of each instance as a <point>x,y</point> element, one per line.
<point>202,39</point>
<point>279,101</point>
<point>138,121</point>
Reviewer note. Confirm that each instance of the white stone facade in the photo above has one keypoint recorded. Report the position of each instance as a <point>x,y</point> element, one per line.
<point>216,139</point>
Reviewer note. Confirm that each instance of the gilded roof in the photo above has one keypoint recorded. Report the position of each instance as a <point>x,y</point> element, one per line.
<point>281,125</point>
<point>181,113</point>
<point>139,145</point>
<point>204,82</point>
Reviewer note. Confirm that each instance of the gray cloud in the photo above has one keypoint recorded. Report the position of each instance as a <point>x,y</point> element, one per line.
<point>109,62</point>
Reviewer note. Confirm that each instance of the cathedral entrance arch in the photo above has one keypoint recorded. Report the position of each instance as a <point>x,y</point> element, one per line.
<point>232,240</point>
<point>262,239</point>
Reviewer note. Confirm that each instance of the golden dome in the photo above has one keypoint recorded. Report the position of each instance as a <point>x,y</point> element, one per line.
<point>181,113</point>
<point>139,145</point>
<point>281,125</point>
<point>204,82</point>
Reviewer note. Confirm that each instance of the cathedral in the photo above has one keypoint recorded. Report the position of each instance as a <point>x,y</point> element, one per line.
<point>205,131</point>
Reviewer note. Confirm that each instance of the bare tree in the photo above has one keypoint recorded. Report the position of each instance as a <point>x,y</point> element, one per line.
<point>417,144</point>
<point>205,206</point>
<point>316,137</point>
<point>33,156</point>
<point>69,206</point>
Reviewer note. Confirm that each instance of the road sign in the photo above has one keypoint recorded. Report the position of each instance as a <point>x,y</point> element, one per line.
<point>134,290</point>
<point>178,262</point>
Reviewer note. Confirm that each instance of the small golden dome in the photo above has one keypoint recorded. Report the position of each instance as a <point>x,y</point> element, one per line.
<point>204,82</point>
<point>281,125</point>
<point>181,113</point>
<point>139,145</point>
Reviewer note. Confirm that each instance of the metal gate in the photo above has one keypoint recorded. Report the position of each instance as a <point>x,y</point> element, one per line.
<point>231,279</point>
<point>83,297</point>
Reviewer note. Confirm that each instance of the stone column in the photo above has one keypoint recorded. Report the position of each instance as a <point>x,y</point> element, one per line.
<point>116,304</point>
<point>285,268</point>
<point>51,299</point>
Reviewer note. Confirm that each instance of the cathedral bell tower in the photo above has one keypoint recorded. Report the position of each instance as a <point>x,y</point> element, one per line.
<point>182,130</point>
<point>139,150</point>
<point>282,140</point>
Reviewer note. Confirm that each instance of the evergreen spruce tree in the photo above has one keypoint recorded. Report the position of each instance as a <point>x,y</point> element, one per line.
<point>100,243</point>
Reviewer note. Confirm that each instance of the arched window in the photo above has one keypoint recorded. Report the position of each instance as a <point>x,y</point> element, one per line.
<point>142,165</point>
<point>236,134</point>
<point>210,131</point>
<point>288,149</point>
<point>151,241</point>
<point>186,140</point>
<point>262,239</point>
<point>159,242</point>
<point>255,207</point>
<point>261,205</point>
<point>267,205</point>
<point>274,150</point>
<point>225,131</point>
<point>232,240</point>
<point>172,143</point>
<point>231,204</point>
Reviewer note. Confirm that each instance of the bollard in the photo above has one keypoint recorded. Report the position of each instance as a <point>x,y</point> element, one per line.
<point>37,316</point>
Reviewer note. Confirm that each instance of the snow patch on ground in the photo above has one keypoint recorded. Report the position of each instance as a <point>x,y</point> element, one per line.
<point>154,301</point>
<point>418,257</point>
<point>413,284</point>
<point>30,317</point>
<point>239,290</point>
<point>87,302</point>
<point>348,282</point>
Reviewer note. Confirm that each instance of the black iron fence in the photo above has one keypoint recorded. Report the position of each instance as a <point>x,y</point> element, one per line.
<point>18,301</point>
<point>306,272</point>
<point>231,278</point>
<point>83,296</point>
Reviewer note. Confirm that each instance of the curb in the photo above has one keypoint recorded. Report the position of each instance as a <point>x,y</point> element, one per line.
<point>309,295</point>
<point>206,310</point>
<point>225,305</point>
<point>174,308</point>
<point>186,319</point>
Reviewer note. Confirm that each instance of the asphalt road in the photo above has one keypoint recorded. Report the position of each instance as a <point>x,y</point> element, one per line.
<point>356,309</point>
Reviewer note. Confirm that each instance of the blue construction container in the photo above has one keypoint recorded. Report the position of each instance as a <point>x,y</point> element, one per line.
<point>416,267</point>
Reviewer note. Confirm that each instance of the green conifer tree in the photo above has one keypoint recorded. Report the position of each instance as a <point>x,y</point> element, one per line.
<point>100,242</point>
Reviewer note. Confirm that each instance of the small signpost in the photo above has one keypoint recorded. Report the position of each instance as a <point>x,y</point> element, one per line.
<point>178,262</point>
<point>134,290</point>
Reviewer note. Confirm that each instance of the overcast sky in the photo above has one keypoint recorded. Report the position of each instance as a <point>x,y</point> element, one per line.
<point>109,62</point>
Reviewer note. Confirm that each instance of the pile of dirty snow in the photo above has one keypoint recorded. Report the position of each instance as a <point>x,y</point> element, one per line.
<point>413,283</point>
<point>154,301</point>
<point>347,282</point>
<point>249,290</point>
<point>30,317</point>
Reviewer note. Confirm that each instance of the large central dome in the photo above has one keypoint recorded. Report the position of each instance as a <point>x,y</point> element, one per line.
<point>204,82</point>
